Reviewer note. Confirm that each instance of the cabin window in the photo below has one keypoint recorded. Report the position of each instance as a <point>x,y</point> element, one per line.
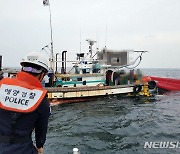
<point>96,70</point>
<point>86,71</point>
<point>74,79</point>
<point>79,79</point>
<point>115,60</point>
<point>65,79</point>
<point>77,71</point>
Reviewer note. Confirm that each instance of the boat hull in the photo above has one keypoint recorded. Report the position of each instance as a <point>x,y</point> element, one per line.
<point>73,95</point>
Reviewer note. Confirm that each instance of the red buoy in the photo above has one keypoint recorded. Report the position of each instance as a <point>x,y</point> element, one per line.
<point>169,84</point>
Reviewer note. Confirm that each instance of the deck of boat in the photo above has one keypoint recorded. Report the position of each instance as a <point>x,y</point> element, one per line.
<point>86,88</point>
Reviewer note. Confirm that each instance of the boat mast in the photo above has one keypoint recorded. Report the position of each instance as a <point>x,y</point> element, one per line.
<point>52,54</point>
<point>47,3</point>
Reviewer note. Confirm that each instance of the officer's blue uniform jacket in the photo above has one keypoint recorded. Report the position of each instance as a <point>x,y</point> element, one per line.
<point>26,123</point>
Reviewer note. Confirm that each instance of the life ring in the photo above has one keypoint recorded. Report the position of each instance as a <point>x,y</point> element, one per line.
<point>137,89</point>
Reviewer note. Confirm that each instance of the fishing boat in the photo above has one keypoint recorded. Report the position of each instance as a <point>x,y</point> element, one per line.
<point>106,72</point>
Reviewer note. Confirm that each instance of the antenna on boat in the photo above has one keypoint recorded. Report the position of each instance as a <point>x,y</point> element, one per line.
<point>45,49</point>
<point>91,43</point>
<point>97,38</point>
<point>106,36</point>
<point>46,3</point>
<point>80,40</point>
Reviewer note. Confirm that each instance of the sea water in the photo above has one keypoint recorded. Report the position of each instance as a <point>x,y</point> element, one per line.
<point>116,124</point>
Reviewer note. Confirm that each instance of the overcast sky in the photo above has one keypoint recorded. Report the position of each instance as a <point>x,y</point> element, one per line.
<point>152,25</point>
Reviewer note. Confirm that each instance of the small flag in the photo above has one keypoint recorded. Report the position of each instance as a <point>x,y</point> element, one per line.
<point>45,2</point>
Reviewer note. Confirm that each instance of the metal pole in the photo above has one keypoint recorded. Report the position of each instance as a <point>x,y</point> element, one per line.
<point>52,54</point>
<point>65,62</point>
<point>56,61</point>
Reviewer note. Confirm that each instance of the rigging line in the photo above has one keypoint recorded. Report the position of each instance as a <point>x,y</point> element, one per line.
<point>45,51</point>
<point>70,70</point>
<point>136,65</point>
<point>126,66</point>
<point>94,55</point>
<point>140,56</point>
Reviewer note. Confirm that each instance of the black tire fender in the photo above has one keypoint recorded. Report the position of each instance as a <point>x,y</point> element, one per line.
<point>152,84</point>
<point>137,89</point>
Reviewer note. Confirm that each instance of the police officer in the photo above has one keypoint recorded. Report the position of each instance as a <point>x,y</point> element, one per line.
<point>24,108</point>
